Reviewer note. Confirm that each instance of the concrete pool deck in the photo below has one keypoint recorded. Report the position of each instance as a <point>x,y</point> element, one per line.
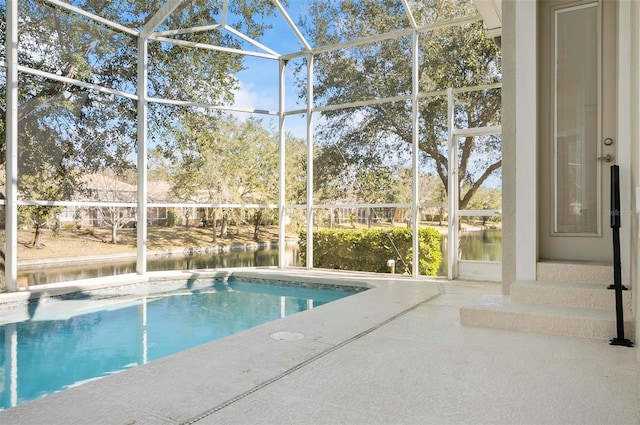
<point>395,354</point>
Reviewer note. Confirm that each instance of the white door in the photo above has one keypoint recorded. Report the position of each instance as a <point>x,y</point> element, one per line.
<point>577,137</point>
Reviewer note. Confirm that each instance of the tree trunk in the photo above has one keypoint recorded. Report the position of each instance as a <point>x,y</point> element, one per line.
<point>224,226</point>
<point>213,226</point>
<point>37,237</point>
<point>114,233</point>
<point>3,286</point>
<point>257,221</point>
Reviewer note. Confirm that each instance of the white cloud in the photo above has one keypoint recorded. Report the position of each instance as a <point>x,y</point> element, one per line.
<point>252,97</point>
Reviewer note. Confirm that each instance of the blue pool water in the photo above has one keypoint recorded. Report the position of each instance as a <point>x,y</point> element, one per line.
<point>64,343</point>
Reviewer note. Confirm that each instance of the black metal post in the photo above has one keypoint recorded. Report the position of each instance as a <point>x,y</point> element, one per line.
<point>617,264</point>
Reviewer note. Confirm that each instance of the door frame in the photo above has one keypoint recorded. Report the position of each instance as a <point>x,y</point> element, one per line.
<point>554,243</point>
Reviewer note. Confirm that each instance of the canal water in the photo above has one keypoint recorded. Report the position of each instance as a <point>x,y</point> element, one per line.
<point>485,245</point>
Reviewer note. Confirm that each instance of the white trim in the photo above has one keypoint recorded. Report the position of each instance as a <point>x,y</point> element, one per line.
<point>479,213</point>
<point>93,17</point>
<point>282,187</point>
<point>491,11</point>
<point>386,36</point>
<point>407,10</point>
<point>309,212</point>
<point>480,270</point>
<point>251,41</point>
<point>210,205</point>
<point>190,30</point>
<point>81,204</point>
<point>292,25</point>
<point>226,108</point>
<point>624,133</point>
<point>142,130</point>
<point>453,192</point>
<point>205,46</point>
<point>555,176</point>
<point>11,135</point>
<point>354,205</point>
<point>72,81</point>
<point>478,131</point>
<point>415,152</point>
<point>158,18</point>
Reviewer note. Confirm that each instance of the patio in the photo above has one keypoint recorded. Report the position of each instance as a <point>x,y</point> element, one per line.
<point>394,354</point>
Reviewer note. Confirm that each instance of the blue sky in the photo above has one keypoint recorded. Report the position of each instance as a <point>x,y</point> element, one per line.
<point>259,81</point>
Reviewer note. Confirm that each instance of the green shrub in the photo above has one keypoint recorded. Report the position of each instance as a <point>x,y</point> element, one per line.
<point>370,249</point>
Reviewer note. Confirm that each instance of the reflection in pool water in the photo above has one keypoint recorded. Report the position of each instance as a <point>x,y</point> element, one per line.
<point>265,257</point>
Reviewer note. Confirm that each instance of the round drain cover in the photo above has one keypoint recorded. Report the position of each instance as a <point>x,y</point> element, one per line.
<point>287,336</point>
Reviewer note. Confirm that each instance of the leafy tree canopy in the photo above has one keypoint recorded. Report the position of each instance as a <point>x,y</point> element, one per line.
<point>452,56</point>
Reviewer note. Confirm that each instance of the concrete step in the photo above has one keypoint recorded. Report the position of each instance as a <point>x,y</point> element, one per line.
<point>500,313</point>
<point>571,294</point>
<point>574,271</point>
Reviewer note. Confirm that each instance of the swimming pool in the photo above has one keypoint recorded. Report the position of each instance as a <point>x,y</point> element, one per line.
<point>68,340</point>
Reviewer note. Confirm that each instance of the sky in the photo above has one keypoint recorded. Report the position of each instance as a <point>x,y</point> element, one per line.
<point>258,83</point>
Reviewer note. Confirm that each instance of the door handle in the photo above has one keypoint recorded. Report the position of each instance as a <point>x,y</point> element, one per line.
<point>606,158</point>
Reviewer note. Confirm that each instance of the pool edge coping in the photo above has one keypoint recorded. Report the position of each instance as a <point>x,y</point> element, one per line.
<point>362,280</point>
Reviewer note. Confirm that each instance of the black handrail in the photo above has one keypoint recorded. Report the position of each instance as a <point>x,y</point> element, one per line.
<point>617,264</point>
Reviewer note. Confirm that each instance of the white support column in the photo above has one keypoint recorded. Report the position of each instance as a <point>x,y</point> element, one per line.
<point>156,20</point>
<point>141,226</point>
<point>526,141</point>
<point>453,191</point>
<point>415,189</point>
<point>11,206</point>
<point>519,143</point>
<point>309,161</point>
<point>281,167</point>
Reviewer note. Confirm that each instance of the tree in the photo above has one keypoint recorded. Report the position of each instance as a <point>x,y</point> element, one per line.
<point>377,185</point>
<point>69,129</point>
<point>433,197</point>
<point>38,215</point>
<point>455,56</point>
<point>218,159</point>
<point>295,170</point>
<point>486,199</point>
<point>107,186</point>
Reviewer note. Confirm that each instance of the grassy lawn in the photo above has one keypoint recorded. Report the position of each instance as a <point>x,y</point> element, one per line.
<point>98,241</point>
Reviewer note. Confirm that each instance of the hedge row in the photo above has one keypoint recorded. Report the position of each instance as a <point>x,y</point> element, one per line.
<point>370,249</point>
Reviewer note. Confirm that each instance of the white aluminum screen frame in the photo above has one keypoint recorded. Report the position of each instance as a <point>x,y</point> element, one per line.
<point>147,33</point>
